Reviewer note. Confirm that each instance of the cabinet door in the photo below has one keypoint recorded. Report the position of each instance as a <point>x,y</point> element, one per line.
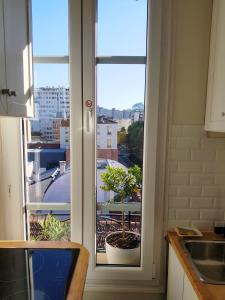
<point>189,293</point>
<point>175,277</point>
<point>215,108</point>
<point>18,57</point>
<point>3,102</point>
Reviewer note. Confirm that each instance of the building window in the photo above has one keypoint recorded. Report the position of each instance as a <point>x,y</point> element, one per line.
<point>109,131</point>
<point>109,143</point>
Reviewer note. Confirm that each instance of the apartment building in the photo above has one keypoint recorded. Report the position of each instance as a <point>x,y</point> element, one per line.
<point>51,103</point>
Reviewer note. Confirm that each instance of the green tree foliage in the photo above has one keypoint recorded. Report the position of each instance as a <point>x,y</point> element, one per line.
<point>123,183</point>
<point>121,137</point>
<point>135,139</point>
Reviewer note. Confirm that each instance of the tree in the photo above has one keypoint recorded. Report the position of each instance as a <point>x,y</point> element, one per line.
<point>135,139</point>
<point>125,184</point>
<point>122,136</point>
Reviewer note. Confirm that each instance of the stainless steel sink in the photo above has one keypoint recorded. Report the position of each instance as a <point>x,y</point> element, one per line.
<point>207,258</point>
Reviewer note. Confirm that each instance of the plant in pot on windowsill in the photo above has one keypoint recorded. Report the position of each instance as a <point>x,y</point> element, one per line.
<point>123,247</point>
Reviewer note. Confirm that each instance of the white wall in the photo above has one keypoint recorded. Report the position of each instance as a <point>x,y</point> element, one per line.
<point>64,137</point>
<point>11,188</point>
<point>103,136</point>
<point>195,160</point>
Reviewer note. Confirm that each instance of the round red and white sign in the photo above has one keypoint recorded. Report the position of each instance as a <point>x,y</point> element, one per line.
<point>88,103</point>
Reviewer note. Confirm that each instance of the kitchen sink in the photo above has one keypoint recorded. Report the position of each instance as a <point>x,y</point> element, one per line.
<point>207,258</point>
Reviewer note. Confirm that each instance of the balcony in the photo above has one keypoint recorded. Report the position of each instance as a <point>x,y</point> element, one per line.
<point>109,219</point>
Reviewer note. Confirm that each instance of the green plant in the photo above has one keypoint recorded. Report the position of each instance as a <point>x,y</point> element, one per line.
<point>52,229</point>
<point>123,183</point>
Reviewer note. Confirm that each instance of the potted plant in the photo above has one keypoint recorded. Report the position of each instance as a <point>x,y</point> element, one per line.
<point>123,247</point>
<point>51,229</point>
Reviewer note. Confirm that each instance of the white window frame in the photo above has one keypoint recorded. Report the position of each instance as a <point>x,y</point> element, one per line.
<point>144,272</point>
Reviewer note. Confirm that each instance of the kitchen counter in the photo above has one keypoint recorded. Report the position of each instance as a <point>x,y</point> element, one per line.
<point>203,290</point>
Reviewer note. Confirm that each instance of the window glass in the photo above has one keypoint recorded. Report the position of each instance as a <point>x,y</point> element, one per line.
<point>120,139</point>
<point>119,87</point>
<point>49,225</point>
<point>121,27</point>
<point>50,27</point>
<point>47,135</point>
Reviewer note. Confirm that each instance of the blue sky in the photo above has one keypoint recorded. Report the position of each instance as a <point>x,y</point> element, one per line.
<point>121,30</point>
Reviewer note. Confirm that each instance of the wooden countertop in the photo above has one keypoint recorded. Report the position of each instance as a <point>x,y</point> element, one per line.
<point>203,290</point>
<point>77,283</point>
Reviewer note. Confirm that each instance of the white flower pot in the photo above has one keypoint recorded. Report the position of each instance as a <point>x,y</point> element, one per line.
<point>123,256</point>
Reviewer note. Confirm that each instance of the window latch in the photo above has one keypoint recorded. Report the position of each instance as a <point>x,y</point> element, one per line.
<point>9,93</point>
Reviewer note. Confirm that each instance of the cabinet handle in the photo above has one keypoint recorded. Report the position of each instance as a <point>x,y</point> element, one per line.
<point>8,92</point>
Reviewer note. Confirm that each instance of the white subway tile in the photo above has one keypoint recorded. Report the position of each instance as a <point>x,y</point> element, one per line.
<point>179,154</point>
<point>199,179</point>
<point>214,167</point>
<point>190,166</point>
<point>213,191</point>
<point>188,142</point>
<point>203,155</point>
<point>176,131</point>
<point>177,178</point>
<point>178,202</point>
<point>193,131</point>
<point>189,190</point>
<point>187,214</point>
<point>220,179</point>
<point>211,214</point>
<point>213,143</point>
<point>172,224</point>
<point>201,202</point>
<point>203,225</point>
<point>219,203</point>
<point>210,191</point>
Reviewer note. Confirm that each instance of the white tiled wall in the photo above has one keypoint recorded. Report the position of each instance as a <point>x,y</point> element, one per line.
<point>196,183</point>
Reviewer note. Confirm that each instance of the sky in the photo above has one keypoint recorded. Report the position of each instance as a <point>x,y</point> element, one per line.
<point>121,30</point>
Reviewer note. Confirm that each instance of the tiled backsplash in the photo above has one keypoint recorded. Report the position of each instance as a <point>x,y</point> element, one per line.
<point>196,178</point>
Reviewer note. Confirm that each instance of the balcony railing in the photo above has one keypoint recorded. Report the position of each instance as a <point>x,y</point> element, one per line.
<point>108,218</point>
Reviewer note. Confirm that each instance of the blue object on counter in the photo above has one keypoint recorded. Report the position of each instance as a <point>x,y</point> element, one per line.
<point>37,274</point>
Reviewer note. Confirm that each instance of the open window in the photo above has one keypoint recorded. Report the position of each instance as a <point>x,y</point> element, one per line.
<point>47,135</point>
<point>101,116</point>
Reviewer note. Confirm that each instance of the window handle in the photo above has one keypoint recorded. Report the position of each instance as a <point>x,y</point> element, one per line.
<point>88,119</point>
<point>8,92</point>
<point>89,106</point>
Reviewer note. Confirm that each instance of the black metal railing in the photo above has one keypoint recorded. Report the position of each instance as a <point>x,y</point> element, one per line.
<point>105,224</point>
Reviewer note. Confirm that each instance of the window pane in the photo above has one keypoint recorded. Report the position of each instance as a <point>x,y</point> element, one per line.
<point>51,75</point>
<point>119,87</point>
<point>119,140</point>
<point>49,225</point>
<point>121,27</point>
<point>50,27</point>
<point>47,138</point>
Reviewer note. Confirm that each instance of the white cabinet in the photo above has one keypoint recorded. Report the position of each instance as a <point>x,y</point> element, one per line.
<point>189,293</point>
<point>16,91</point>
<point>215,107</point>
<point>178,286</point>
<point>175,277</point>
